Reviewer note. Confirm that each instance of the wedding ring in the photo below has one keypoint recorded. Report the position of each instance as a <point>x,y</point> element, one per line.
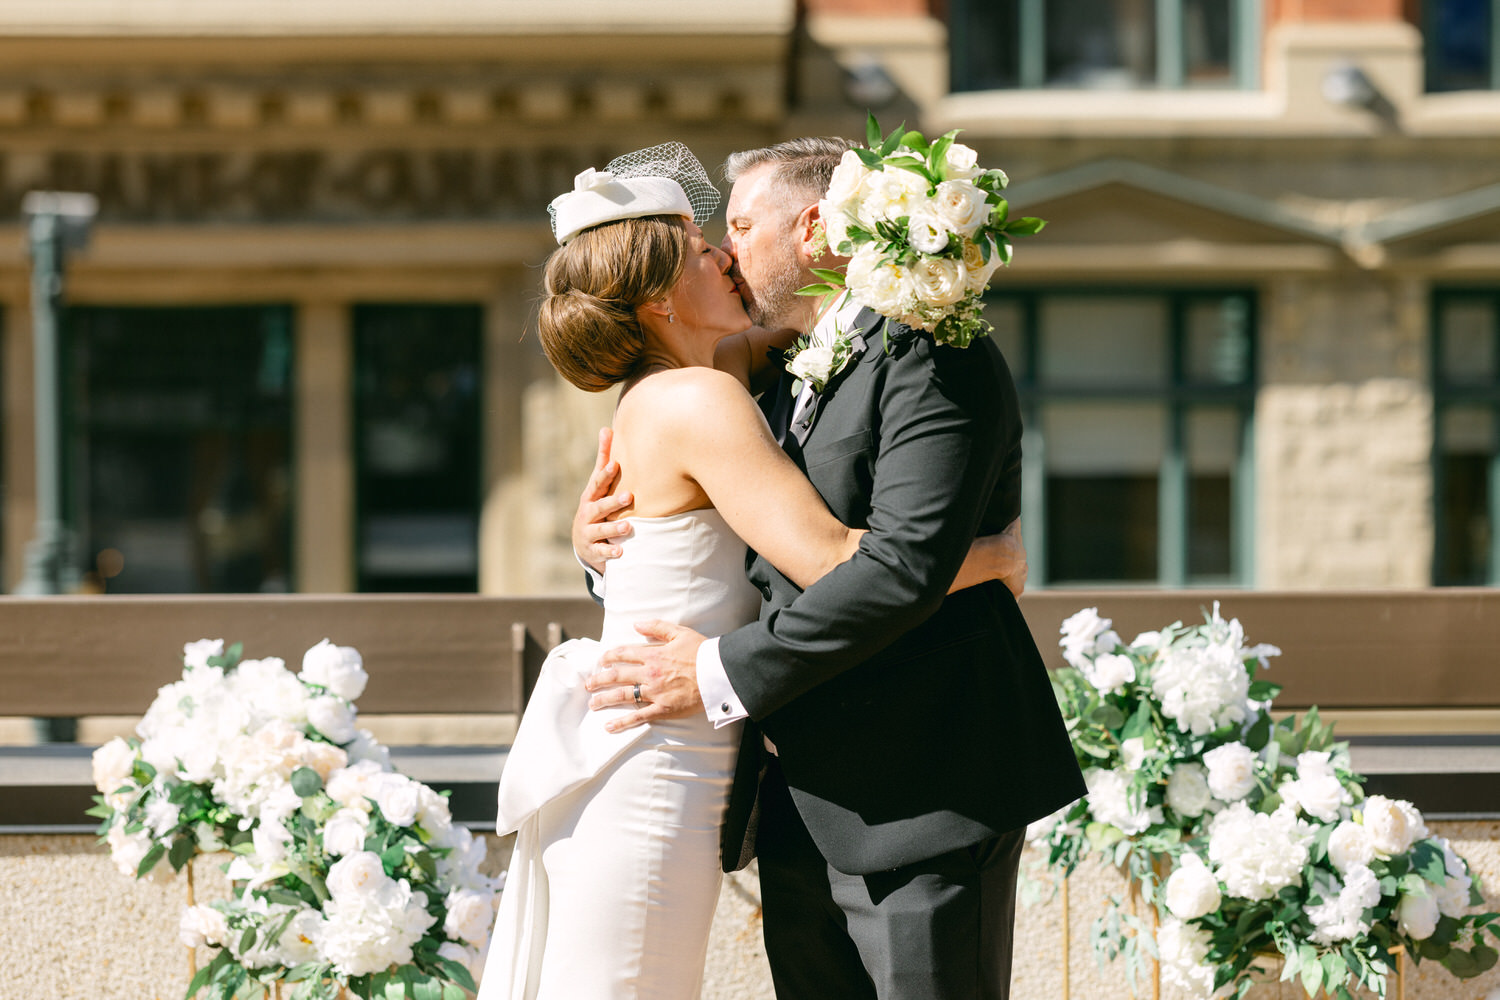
<point>638,696</point>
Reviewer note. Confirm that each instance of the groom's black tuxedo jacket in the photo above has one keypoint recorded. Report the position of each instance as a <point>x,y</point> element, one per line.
<point>906,723</point>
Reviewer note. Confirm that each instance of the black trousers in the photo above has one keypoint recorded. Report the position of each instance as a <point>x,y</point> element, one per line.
<point>939,929</point>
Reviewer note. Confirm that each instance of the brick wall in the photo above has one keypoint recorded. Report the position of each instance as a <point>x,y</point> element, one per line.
<point>1292,11</point>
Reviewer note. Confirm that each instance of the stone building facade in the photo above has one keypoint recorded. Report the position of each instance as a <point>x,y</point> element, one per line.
<point>1258,341</point>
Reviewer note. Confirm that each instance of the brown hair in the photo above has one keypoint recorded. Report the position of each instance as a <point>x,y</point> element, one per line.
<point>594,284</point>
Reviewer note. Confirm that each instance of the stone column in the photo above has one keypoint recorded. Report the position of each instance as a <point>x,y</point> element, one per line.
<point>19,446</point>
<point>323,515</point>
<point>502,533</point>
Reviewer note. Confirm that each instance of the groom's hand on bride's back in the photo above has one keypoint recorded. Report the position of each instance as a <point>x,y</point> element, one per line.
<point>664,675</point>
<point>594,537</point>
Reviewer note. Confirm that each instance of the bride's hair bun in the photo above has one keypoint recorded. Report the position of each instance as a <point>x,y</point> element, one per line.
<point>589,326</point>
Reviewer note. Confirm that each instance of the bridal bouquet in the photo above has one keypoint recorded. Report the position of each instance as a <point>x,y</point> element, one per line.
<point>1248,837</point>
<point>924,227</point>
<point>346,873</point>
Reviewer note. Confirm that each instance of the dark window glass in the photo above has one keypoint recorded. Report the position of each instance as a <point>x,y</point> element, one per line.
<point>1107,44</point>
<point>1138,406</point>
<point>1466,452</point>
<point>1460,44</point>
<point>418,431</point>
<point>1207,39</point>
<point>986,44</point>
<point>178,451</point>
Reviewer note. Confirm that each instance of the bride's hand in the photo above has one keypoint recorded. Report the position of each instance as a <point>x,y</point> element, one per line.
<point>660,680</point>
<point>594,537</point>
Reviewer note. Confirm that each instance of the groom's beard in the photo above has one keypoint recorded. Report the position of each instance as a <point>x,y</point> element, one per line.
<point>774,303</point>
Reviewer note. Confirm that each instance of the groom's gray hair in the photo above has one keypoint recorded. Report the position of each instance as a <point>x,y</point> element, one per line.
<point>804,167</point>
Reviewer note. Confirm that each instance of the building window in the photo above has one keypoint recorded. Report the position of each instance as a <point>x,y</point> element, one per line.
<point>1462,41</point>
<point>1104,44</point>
<point>417,428</point>
<point>1138,411</point>
<point>1466,459</point>
<point>178,447</point>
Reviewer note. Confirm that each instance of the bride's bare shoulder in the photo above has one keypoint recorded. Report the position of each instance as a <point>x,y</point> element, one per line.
<point>685,392</point>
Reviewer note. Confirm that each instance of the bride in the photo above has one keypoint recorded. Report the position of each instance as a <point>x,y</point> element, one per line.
<point>616,869</point>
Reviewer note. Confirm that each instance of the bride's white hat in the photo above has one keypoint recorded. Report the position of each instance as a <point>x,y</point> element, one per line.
<point>661,180</point>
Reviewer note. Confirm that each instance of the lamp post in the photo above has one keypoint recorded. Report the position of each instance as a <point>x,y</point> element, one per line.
<point>56,222</point>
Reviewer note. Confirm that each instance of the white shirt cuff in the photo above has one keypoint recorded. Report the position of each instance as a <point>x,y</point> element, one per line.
<point>723,705</point>
<point>596,579</point>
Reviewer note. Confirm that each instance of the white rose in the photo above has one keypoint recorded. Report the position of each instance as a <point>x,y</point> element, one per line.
<point>469,917</point>
<point>202,925</point>
<point>470,958</point>
<point>366,748</point>
<point>939,281</point>
<point>1316,791</point>
<point>1349,846</point>
<point>433,814</point>
<point>1192,890</point>
<point>1086,635</point>
<point>979,269</point>
<point>1231,771</point>
<point>324,758</point>
<point>812,364</point>
<point>332,717</point>
<point>1393,825</point>
<point>835,224</point>
<point>340,669</point>
<point>1110,672</point>
<point>128,850</point>
<point>1133,753</point>
<point>398,799</point>
<point>344,833</point>
<point>1184,958</point>
<point>1417,915</point>
<point>353,785</point>
<point>355,876</point>
<point>926,232</point>
<point>113,764</point>
<point>961,163</point>
<point>1110,801</point>
<point>961,206</point>
<point>195,654</point>
<point>1187,790</point>
<point>847,179</point>
<point>162,817</point>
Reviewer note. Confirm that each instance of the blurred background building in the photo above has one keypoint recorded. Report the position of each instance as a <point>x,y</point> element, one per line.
<point>1258,344</point>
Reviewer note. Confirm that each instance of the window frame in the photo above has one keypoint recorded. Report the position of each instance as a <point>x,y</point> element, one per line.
<point>1429,50</point>
<point>1178,395</point>
<point>1031,37</point>
<point>1475,394</point>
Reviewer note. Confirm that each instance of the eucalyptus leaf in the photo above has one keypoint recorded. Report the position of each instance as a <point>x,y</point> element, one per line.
<point>305,782</point>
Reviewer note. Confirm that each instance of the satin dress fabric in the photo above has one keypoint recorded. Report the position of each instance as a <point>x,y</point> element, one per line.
<point>616,872</point>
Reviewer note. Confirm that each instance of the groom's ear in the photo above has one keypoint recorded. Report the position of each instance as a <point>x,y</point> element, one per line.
<point>807,230</point>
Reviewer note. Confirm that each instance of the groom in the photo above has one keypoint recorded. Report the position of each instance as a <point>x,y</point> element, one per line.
<point>915,735</point>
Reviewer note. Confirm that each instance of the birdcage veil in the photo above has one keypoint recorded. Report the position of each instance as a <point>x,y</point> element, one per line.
<point>670,161</point>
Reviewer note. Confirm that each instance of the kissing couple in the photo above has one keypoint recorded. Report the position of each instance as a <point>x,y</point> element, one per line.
<point>811,651</point>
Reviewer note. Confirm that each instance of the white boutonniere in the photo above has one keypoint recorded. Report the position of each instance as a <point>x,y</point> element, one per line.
<point>817,364</point>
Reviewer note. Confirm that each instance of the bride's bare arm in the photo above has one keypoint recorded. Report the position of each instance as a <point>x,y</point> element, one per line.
<point>747,355</point>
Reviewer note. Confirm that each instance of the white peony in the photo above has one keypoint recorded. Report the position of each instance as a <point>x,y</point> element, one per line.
<point>344,833</point>
<point>1184,958</point>
<point>333,717</point>
<point>340,669</point>
<point>883,286</point>
<point>961,207</point>
<point>939,281</point>
<point>1192,891</point>
<point>324,758</point>
<point>1187,790</point>
<point>1341,917</point>
<point>1453,895</point>
<point>460,867</point>
<point>469,916</point>
<point>113,764</point>
<point>470,958</point>
<point>1349,846</point>
<point>926,233</point>
<point>299,940</point>
<point>1393,824</point>
<point>1417,915</point>
<point>1110,802</point>
<point>202,925</point>
<point>195,654</point>
<point>354,786</point>
<point>888,195</point>
<point>272,692</point>
<point>162,817</point>
<point>1231,771</point>
<point>128,850</point>
<point>373,930</point>
<point>1201,687</point>
<point>1133,753</point>
<point>1109,673</point>
<point>1256,855</point>
<point>847,181</point>
<point>1086,635</point>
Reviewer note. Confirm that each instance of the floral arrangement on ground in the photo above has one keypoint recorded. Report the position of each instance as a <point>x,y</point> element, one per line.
<point>1250,838</point>
<point>347,875</point>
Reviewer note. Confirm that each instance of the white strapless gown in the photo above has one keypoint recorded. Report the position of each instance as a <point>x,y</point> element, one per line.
<point>615,876</point>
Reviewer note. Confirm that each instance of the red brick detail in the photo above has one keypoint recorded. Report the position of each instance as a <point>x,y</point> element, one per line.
<point>1341,10</point>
